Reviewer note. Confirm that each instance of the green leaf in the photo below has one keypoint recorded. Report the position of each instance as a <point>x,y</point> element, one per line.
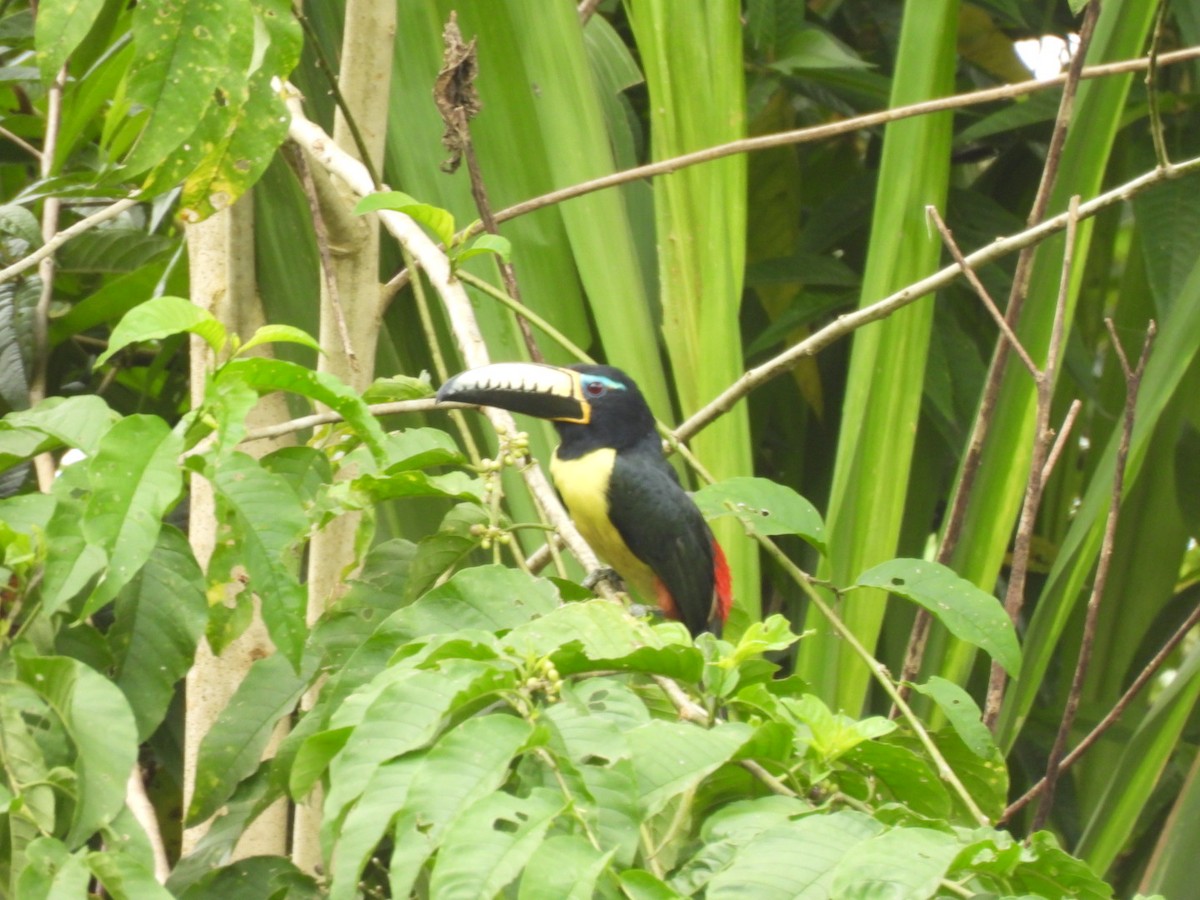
<point>157,622</point>
<point>404,711</point>
<point>256,878</point>
<point>565,866</point>
<point>467,764</point>
<point>162,317</point>
<point>187,54</point>
<point>813,48</point>
<point>260,525</point>
<point>135,478</point>
<point>266,375</point>
<point>638,884</point>
<point>51,872</point>
<point>763,506</point>
<point>489,845</point>
<point>233,747</point>
<point>125,878</point>
<point>962,712</point>
<point>101,728</point>
<point>439,222</point>
<point>672,757</point>
<point>485,243</point>
<point>488,598</point>
<point>270,334</point>
<point>967,612</point>
<point>901,862</point>
<point>71,421</point>
<point>59,28</point>
<point>397,387</point>
<point>797,859</point>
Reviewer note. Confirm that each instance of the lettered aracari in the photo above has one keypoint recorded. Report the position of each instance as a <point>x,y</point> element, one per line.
<point>623,496</point>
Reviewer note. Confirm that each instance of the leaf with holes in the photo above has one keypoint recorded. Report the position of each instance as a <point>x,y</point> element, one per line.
<point>763,507</point>
<point>967,612</point>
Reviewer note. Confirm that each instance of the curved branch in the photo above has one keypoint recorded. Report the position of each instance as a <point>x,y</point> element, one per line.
<point>85,224</point>
<point>844,325</point>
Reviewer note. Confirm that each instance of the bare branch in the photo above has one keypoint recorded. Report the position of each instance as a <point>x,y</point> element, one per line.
<point>969,273</point>
<point>67,234</point>
<point>1133,382</point>
<point>852,321</point>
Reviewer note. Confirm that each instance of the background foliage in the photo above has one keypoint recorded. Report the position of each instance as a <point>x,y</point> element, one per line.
<point>453,727</point>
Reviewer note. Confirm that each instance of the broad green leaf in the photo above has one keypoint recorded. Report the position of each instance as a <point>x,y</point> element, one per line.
<point>901,862</point>
<point>565,866</point>
<point>439,221</point>
<point>266,375</point>
<point>416,448</point>
<point>260,524</point>
<point>255,125</point>
<point>158,619</point>
<point>112,249</point>
<point>102,731</point>
<point>962,712</point>
<point>124,878</point>
<point>491,598</point>
<point>441,551</point>
<point>52,873</point>
<point>405,715</point>
<point>186,54</point>
<point>25,766</point>
<point>672,757</point>
<point>1172,870</point>
<point>255,878</point>
<point>798,859</point>
<point>135,478</point>
<point>967,612</point>
<point>452,486</point>
<point>59,27</point>
<point>467,764</point>
<point>269,334</point>
<point>232,748</point>
<point>764,506</point>
<point>904,774</point>
<point>72,421</point>
<point>489,845</point>
<point>162,317</point>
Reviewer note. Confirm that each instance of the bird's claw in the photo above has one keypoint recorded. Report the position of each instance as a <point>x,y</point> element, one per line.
<point>604,573</point>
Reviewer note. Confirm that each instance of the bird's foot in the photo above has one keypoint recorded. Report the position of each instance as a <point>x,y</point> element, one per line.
<point>605,574</point>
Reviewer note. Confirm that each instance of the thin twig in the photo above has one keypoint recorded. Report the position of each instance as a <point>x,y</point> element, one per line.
<point>586,9</point>
<point>804,136</point>
<point>1156,126</point>
<point>67,234</point>
<point>1043,439</point>
<point>525,313</point>
<point>959,501</point>
<point>299,162</point>
<point>22,143</point>
<point>331,81</point>
<point>1133,382</point>
<point>1060,440</point>
<point>981,291</point>
<point>1113,716</point>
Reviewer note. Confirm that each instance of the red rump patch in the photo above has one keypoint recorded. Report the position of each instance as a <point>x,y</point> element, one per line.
<point>722,588</point>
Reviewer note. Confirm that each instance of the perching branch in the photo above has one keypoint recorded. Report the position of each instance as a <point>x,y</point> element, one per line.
<point>461,315</point>
<point>67,234</point>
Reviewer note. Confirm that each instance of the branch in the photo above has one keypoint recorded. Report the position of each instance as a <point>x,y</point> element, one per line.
<point>67,234</point>
<point>460,313</point>
<point>852,321</point>
<point>1133,382</point>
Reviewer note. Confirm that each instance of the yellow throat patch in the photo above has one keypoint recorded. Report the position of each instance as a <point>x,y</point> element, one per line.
<point>583,483</point>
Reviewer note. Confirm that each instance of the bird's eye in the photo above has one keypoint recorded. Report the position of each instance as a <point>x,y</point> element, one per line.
<point>595,388</point>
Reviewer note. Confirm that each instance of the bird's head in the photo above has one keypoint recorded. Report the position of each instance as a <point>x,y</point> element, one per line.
<point>597,405</point>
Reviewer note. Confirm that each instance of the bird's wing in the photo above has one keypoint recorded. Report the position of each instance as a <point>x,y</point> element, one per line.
<point>662,526</point>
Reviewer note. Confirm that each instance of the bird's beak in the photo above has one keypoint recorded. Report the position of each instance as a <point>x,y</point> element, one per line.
<point>546,392</point>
